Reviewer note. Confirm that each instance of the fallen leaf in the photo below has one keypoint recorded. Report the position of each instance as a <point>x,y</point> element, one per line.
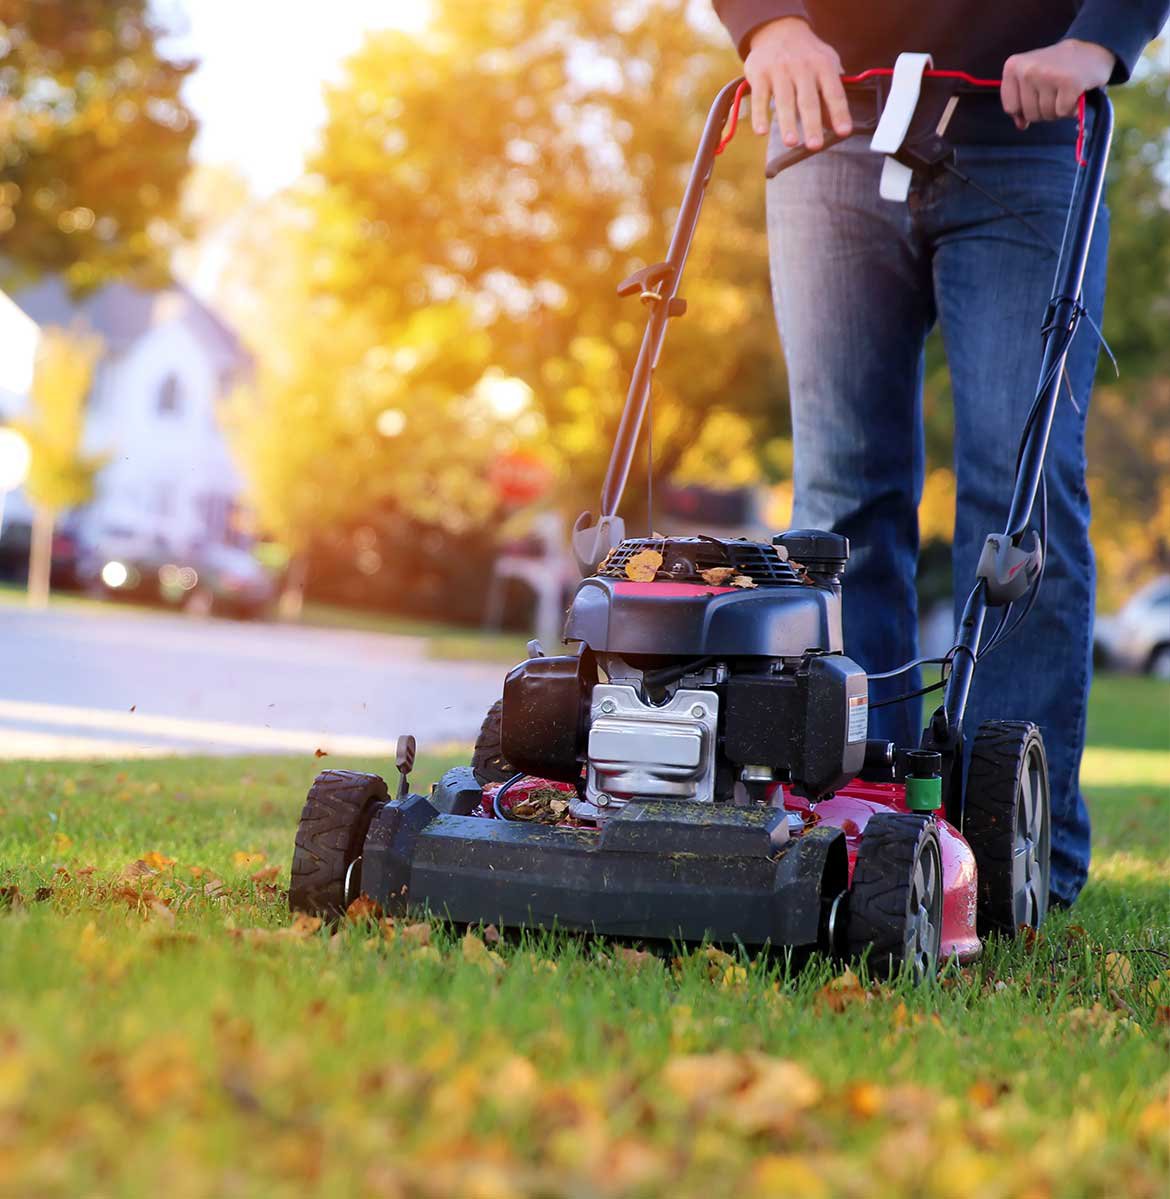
<point>416,934</point>
<point>362,908</point>
<point>842,992</point>
<point>10,896</point>
<point>476,952</point>
<point>243,859</point>
<point>491,935</point>
<point>320,753</point>
<point>1118,970</point>
<point>643,566</point>
<point>158,861</point>
<point>865,1099</point>
<point>634,959</point>
<point>265,874</point>
<point>717,575</point>
<point>62,842</point>
<point>139,868</point>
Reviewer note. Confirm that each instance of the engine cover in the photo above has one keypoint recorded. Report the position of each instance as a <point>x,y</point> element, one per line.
<point>640,751</point>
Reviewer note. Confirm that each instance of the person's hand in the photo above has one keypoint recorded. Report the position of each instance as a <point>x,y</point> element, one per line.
<point>1045,84</point>
<point>790,64</point>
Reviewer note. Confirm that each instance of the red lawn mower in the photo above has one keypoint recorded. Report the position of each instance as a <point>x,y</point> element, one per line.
<point>695,765</point>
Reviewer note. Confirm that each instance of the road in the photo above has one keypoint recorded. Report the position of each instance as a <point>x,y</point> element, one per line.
<point>78,684</point>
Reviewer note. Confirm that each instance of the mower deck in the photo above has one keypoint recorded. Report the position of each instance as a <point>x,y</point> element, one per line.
<point>656,871</point>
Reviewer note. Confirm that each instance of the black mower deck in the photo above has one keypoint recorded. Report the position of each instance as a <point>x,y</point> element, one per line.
<point>657,871</point>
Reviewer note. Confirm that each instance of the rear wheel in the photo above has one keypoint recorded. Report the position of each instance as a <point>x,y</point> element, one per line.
<point>895,901</point>
<point>326,868</point>
<point>488,760</point>
<point>1158,664</point>
<point>1008,823</point>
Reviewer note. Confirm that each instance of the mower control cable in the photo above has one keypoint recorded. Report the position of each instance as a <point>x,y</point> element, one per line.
<point>499,815</point>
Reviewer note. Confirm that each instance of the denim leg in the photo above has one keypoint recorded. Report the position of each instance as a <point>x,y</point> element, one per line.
<point>852,292</point>
<point>993,280</point>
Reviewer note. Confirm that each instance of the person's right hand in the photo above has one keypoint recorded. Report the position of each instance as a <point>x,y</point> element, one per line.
<point>790,64</point>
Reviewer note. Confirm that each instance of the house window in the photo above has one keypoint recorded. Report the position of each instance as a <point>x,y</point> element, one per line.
<point>169,396</point>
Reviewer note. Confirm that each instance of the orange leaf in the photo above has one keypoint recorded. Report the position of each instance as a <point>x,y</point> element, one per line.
<point>362,908</point>
<point>158,861</point>
<point>265,874</point>
<point>320,753</point>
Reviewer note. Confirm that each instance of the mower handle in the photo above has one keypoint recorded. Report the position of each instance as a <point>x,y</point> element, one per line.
<point>938,91</point>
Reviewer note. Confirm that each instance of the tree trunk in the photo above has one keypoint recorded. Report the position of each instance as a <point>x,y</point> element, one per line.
<point>40,557</point>
<point>292,598</point>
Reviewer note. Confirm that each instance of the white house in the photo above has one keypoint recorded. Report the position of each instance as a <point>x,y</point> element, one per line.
<point>168,361</point>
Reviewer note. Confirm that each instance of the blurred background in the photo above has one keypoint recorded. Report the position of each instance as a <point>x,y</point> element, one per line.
<point>310,321</point>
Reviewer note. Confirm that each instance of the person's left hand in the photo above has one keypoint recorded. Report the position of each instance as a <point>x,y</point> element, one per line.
<point>1045,84</point>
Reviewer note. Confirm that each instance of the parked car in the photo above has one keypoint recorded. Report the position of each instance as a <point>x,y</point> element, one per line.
<point>1138,637</point>
<point>224,579</point>
<point>15,543</point>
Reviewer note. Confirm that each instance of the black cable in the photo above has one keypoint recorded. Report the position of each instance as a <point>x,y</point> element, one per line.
<point>501,793</point>
<point>1041,236</point>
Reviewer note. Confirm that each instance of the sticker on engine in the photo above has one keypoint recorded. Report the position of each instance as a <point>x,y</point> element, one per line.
<point>858,717</point>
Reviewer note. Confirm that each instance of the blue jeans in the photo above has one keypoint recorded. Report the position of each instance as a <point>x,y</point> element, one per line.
<point>858,283</point>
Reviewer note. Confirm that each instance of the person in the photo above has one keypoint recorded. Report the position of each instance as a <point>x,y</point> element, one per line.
<point>858,282</point>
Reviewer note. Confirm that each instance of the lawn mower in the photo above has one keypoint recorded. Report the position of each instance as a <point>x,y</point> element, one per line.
<point>695,763</point>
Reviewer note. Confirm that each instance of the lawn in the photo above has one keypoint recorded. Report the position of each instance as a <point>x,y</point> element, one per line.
<point>165,1029</point>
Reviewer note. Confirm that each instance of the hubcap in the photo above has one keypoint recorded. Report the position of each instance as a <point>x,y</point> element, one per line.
<point>1030,852</point>
<point>924,916</point>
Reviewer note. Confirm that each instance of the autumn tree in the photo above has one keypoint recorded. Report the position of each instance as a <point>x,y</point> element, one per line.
<point>524,158</point>
<point>61,474</point>
<point>94,141</point>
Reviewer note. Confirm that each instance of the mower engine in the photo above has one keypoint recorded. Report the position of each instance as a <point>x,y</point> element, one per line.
<point>707,670</point>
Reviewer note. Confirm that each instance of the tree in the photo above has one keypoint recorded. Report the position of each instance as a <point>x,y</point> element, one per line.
<point>526,157</point>
<point>94,141</point>
<point>61,474</point>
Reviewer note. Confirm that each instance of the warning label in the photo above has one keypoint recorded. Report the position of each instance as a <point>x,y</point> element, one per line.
<point>858,724</point>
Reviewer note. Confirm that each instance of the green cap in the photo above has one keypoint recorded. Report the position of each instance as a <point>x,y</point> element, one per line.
<point>923,795</point>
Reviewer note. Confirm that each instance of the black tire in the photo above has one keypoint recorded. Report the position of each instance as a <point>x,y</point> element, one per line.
<point>1008,822</point>
<point>895,901</point>
<point>334,822</point>
<point>488,760</point>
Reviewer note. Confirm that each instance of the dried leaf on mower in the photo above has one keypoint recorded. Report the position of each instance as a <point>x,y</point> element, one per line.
<point>743,581</point>
<point>717,575</point>
<point>643,566</point>
<point>538,804</point>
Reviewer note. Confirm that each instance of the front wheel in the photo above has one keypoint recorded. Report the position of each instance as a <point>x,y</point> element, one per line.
<point>1007,823</point>
<point>895,900</point>
<point>326,867</point>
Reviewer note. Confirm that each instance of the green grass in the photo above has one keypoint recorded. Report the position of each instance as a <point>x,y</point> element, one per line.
<point>158,1038</point>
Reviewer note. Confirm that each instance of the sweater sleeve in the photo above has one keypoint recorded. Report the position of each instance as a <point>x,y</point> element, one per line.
<point>1124,27</point>
<point>744,17</point>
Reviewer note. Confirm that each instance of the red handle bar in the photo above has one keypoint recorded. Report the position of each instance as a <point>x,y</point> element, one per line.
<point>882,72</point>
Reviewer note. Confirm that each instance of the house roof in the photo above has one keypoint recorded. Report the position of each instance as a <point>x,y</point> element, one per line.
<point>121,313</point>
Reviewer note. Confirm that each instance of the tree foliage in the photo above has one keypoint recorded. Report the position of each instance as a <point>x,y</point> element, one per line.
<point>94,141</point>
<point>61,474</point>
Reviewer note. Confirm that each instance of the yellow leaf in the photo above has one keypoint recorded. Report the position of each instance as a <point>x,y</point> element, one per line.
<point>61,842</point>
<point>476,952</point>
<point>744,581</point>
<point>717,575</point>
<point>158,861</point>
<point>243,859</point>
<point>643,566</point>
<point>787,1176</point>
<point>1118,970</point>
<point>417,934</point>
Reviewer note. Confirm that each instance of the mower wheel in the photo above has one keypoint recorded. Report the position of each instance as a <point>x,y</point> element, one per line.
<point>488,759</point>
<point>1008,824</point>
<point>326,868</point>
<point>895,901</point>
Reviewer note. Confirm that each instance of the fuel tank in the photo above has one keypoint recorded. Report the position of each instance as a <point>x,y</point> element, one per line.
<point>778,620</point>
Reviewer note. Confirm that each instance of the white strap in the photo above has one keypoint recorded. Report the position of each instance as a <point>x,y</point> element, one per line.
<point>894,123</point>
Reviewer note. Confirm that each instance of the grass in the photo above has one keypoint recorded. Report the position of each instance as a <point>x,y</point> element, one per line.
<point>171,1033</point>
